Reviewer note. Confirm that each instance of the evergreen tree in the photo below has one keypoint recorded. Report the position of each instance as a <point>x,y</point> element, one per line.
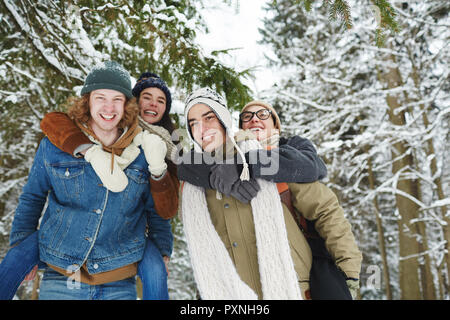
<point>340,90</point>
<point>340,10</point>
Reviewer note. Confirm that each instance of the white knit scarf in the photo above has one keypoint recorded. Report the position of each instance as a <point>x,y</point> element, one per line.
<point>116,180</point>
<point>214,271</point>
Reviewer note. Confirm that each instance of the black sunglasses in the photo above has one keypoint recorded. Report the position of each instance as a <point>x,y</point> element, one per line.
<point>262,114</point>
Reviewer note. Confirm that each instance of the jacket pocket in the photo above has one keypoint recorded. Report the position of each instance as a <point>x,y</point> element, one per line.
<point>137,182</point>
<point>54,226</point>
<point>68,181</point>
<point>67,170</point>
<point>137,174</point>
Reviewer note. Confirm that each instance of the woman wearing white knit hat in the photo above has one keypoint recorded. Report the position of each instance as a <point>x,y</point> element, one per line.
<point>242,250</point>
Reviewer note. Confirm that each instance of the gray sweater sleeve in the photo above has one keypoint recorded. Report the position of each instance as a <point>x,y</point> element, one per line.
<point>194,170</point>
<point>295,160</point>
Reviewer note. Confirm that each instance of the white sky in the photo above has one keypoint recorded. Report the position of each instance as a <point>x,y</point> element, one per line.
<point>236,28</point>
<point>230,27</point>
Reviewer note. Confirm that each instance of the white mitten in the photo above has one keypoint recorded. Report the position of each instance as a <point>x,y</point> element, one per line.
<point>155,150</point>
<point>100,161</point>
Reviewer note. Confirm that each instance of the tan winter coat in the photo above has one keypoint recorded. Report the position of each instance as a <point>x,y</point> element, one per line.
<point>233,222</point>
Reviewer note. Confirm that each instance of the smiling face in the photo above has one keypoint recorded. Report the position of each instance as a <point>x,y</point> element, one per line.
<point>106,109</point>
<point>261,128</point>
<point>205,127</point>
<point>152,104</point>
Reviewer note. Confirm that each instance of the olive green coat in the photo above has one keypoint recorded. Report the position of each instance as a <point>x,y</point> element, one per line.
<point>233,221</point>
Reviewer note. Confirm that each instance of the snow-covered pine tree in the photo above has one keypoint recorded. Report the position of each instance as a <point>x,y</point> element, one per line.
<point>340,10</point>
<point>334,91</point>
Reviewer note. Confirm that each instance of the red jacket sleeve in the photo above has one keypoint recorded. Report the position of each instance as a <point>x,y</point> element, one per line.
<point>165,193</point>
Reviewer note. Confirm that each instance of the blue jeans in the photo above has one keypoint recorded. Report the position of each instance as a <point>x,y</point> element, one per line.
<point>20,260</point>
<point>55,286</point>
<point>153,274</point>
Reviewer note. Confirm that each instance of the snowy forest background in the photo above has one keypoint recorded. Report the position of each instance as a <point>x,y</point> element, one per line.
<point>378,114</point>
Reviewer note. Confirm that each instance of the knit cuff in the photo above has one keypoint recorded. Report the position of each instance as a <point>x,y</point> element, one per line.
<point>73,141</point>
<point>160,177</point>
<point>77,152</point>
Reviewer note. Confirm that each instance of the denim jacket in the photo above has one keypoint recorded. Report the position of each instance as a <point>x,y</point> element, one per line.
<point>83,221</point>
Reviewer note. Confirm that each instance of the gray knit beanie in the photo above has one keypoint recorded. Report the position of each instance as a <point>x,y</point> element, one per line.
<point>108,75</point>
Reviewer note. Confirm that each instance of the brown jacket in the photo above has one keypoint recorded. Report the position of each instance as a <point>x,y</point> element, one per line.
<point>66,135</point>
<point>233,221</point>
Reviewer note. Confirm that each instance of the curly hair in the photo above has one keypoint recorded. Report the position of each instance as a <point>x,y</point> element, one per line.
<point>78,109</point>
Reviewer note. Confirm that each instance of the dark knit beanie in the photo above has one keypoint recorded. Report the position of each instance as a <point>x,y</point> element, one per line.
<point>108,75</point>
<point>149,80</point>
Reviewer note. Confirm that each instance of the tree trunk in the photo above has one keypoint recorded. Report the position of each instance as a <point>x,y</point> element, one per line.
<point>412,237</point>
<point>381,240</point>
<point>139,288</point>
<point>36,284</point>
<point>439,190</point>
